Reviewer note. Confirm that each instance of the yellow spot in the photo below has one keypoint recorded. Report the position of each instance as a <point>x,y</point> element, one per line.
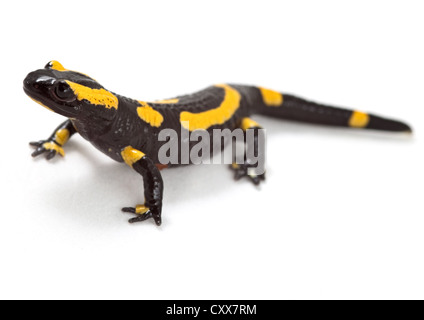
<point>167,101</point>
<point>54,146</point>
<point>56,65</point>
<point>149,115</point>
<point>131,155</point>
<point>42,104</point>
<point>271,98</point>
<point>359,119</point>
<point>219,115</point>
<point>61,136</point>
<point>235,166</point>
<point>141,209</point>
<point>248,123</point>
<point>100,97</point>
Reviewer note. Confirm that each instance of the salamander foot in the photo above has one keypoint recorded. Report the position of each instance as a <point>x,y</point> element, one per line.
<point>242,170</point>
<point>144,213</point>
<point>51,148</point>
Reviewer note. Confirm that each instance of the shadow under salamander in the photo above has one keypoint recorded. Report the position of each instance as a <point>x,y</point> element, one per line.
<point>108,187</point>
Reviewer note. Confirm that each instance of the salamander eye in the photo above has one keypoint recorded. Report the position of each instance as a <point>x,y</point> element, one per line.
<point>62,91</point>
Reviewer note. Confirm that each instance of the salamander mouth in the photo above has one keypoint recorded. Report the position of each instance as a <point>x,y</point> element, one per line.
<point>40,99</point>
<point>30,93</point>
<point>36,97</point>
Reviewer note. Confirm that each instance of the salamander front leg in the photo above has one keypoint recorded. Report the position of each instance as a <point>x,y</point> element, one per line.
<point>245,169</point>
<point>54,144</point>
<point>153,186</point>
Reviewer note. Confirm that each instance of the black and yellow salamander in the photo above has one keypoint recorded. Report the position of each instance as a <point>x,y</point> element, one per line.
<point>128,130</point>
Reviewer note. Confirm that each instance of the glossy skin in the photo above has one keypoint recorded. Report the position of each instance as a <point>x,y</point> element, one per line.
<point>112,130</point>
<point>127,130</point>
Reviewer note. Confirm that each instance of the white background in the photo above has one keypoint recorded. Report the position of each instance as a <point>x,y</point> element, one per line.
<point>340,216</point>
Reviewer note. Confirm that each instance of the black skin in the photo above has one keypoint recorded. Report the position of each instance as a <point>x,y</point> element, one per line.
<point>93,123</point>
<point>241,170</point>
<point>40,149</point>
<point>153,186</point>
<point>111,130</point>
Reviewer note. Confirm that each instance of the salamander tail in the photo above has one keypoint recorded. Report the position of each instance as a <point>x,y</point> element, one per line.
<point>290,107</point>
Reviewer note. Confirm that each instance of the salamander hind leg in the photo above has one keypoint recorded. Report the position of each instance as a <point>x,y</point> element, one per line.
<point>248,169</point>
<point>242,170</point>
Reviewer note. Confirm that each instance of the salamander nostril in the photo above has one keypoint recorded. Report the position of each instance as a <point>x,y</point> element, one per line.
<point>27,83</point>
<point>29,80</point>
<point>36,86</point>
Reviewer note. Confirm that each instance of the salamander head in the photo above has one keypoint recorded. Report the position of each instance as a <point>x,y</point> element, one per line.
<point>69,93</point>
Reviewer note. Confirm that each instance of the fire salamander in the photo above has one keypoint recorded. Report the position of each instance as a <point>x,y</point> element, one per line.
<point>127,130</point>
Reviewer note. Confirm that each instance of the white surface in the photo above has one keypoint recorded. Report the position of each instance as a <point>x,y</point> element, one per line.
<point>340,216</point>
